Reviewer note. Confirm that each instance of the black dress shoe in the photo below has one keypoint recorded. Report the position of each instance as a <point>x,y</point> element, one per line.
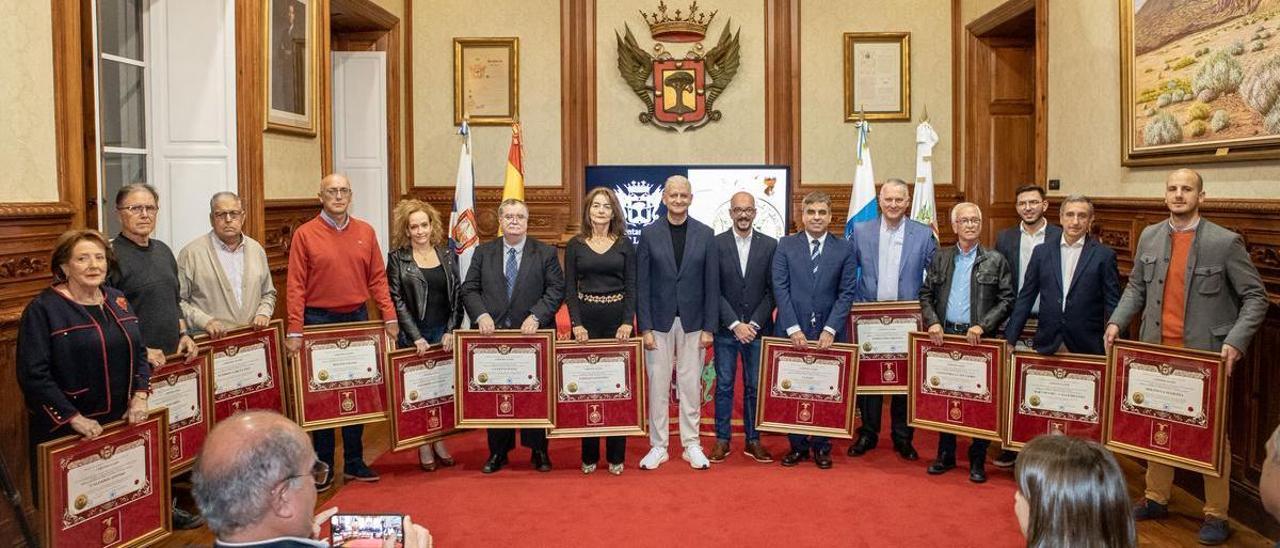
<point>823,459</point>
<point>907,451</point>
<point>793,458</point>
<point>977,472</point>
<point>495,463</point>
<point>542,461</point>
<point>861,446</point>
<point>943,463</point>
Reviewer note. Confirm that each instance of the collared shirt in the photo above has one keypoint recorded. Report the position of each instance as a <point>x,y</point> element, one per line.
<point>1070,258</point>
<point>506,251</point>
<point>299,540</point>
<point>346,221</point>
<point>822,244</point>
<point>961,278</point>
<point>744,250</point>
<point>1027,244</point>
<point>890,261</point>
<point>1190,228</point>
<point>232,261</point>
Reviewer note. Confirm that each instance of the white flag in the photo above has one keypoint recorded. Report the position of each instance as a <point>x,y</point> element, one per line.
<point>923,206</point>
<point>463,236</point>
<point>863,205</point>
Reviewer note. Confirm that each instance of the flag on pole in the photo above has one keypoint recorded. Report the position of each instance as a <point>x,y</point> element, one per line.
<point>862,203</point>
<point>513,183</point>
<point>923,206</point>
<point>463,235</point>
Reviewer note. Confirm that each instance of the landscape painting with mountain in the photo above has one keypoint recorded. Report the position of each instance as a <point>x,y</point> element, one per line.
<point>1200,76</point>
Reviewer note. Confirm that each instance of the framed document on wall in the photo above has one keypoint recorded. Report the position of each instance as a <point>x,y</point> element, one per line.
<point>182,388</point>
<point>246,370</point>
<point>112,490</point>
<point>806,391</point>
<point>956,387</point>
<point>600,389</point>
<point>422,391</point>
<point>877,75</point>
<point>505,379</point>
<point>486,81</point>
<point>879,330</point>
<point>1167,405</point>
<point>339,376</point>
<point>1055,394</point>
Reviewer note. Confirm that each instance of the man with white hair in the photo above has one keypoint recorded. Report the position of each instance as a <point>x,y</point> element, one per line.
<point>224,279</point>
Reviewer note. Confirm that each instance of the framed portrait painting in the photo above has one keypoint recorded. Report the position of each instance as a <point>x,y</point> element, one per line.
<point>1198,82</point>
<point>292,53</point>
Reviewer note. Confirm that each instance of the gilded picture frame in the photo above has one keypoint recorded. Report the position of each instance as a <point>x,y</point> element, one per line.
<point>877,75</point>
<point>291,59</point>
<point>486,81</point>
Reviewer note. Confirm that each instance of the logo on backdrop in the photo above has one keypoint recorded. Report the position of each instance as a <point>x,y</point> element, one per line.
<point>640,201</point>
<point>676,93</point>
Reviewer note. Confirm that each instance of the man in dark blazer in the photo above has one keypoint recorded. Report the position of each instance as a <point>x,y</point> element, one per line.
<point>514,282</point>
<point>891,253</point>
<point>1073,310</point>
<point>746,311</point>
<point>677,309</point>
<point>968,290</point>
<point>813,277</point>
<point>1016,244</point>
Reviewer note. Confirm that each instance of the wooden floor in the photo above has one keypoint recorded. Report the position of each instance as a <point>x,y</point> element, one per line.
<point>1179,530</point>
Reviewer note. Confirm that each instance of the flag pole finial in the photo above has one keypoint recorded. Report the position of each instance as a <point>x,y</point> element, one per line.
<point>925,117</point>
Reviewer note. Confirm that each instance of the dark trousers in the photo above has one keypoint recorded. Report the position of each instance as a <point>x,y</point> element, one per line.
<point>352,436</point>
<point>804,444</point>
<point>947,442</point>
<point>602,321</point>
<point>728,349</point>
<point>503,440</point>
<point>872,409</point>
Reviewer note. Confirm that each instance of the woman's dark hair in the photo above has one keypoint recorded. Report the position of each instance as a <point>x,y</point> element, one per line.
<point>616,224</point>
<point>67,242</point>
<point>1075,494</point>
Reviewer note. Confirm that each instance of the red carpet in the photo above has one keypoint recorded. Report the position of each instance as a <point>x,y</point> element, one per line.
<point>874,500</point>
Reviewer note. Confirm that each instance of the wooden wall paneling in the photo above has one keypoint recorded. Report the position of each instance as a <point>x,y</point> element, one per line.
<point>68,97</point>
<point>281,218</point>
<point>577,107</point>
<point>324,91</point>
<point>250,113</point>
<point>407,40</point>
<point>782,84</point>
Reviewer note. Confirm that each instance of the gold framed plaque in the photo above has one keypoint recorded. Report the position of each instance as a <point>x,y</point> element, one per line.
<point>877,75</point>
<point>486,81</point>
<point>291,55</point>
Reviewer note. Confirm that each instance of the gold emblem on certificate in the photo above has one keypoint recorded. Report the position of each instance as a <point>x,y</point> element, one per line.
<point>506,405</point>
<point>1138,397</point>
<point>573,387</point>
<point>413,395</point>
<point>805,414</point>
<point>81,502</point>
<point>889,375</point>
<point>175,448</point>
<point>109,532</point>
<point>866,346</point>
<point>1034,401</point>
<point>786,384</point>
<point>348,403</point>
<point>483,377</point>
<point>594,416</point>
<point>433,418</point>
<point>955,412</point>
<point>323,375</point>
<point>1160,437</point>
<point>1057,428</point>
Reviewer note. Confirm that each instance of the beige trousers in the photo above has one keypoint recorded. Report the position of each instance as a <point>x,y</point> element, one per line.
<point>1217,491</point>
<point>680,351</point>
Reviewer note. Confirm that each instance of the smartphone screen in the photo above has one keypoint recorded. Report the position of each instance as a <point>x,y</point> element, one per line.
<point>366,530</point>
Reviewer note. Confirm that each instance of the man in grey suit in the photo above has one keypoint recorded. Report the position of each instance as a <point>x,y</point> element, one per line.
<point>746,311</point>
<point>1195,287</point>
<point>892,253</point>
<point>515,282</point>
<point>677,308</point>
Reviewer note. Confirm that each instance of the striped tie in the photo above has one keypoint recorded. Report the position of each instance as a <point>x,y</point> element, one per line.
<point>813,256</point>
<point>510,270</point>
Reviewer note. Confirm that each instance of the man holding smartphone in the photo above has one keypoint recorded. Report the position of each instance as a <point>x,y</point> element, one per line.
<point>253,485</point>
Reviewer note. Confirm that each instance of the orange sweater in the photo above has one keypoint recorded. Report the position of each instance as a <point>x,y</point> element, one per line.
<point>1173,313</point>
<point>335,269</point>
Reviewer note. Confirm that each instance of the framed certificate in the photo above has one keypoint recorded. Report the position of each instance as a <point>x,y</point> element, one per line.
<point>506,379</point>
<point>246,370</point>
<point>1055,394</point>
<point>806,391</point>
<point>183,389</point>
<point>339,375</point>
<point>955,387</point>
<point>422,392</point>
<point>112,490</point>
<point>600,389</point>
<point>1167,405</point>
<point>879,330</point>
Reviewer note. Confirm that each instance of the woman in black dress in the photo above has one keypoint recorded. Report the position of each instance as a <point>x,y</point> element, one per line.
<point>422,275</point>
<point>600,272</point>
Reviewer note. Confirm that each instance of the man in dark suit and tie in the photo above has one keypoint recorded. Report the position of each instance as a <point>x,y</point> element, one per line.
<point>1016,244</point>
<point>514,282</point>
<point>677,308</point>
<point>746,311</point>
<point>1077,283</point>
<point>891,253</point>
<point>813,277</point>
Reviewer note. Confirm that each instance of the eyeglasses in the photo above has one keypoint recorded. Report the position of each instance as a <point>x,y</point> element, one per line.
<point>140,209</point>
<point>514,217</point>
<point>335,192</point>
<point>1030,203</point>
<point>319,472</point>
<point>228,215</point>
<point>742,210</point>
<point>969,221</point>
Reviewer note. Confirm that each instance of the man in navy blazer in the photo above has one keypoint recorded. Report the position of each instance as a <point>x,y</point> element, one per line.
<point>677,308</point>
<point>892,253</point>
<point>746,311</point>
<point>813,277</point>
<point>1077,282</point>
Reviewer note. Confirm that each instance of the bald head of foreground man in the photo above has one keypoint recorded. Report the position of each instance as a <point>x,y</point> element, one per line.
<point>254,482</point>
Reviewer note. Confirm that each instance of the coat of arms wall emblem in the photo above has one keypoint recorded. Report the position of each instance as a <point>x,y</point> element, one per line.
<point>679,94</point>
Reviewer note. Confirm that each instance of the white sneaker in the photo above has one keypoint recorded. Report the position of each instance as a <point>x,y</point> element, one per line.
<point>693,455</point>
<point>654,459</point>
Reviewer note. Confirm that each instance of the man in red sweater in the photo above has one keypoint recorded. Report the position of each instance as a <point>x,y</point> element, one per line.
<point>335,265</point>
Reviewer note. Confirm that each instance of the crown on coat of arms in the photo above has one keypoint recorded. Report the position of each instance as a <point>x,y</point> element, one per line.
<point>680,28</point>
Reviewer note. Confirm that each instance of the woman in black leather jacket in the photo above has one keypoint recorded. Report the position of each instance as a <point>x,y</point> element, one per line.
<point>422,273</point>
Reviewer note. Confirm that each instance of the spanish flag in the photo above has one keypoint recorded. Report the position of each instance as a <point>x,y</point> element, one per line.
<point>513,183</point>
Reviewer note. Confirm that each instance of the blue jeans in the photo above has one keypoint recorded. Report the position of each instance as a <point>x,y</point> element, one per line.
<point>728,349</point>
<point>352,436</point>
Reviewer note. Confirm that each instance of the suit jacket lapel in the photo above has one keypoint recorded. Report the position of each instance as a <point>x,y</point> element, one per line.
<point>873,265</point>
<point>526,258</point>
<point>752,253</point>
<point>684,254</point>
<point>1086,254</point>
